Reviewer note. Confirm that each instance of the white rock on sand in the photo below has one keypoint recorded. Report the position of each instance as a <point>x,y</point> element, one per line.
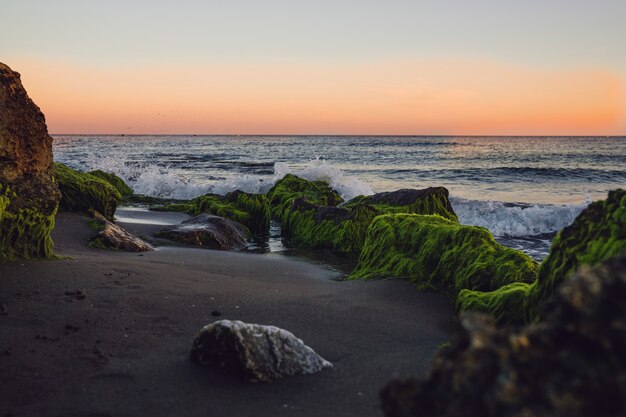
<point>255,352</point>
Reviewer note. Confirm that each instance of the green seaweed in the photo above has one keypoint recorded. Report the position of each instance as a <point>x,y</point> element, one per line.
<point>596,235</point>
<point>309,219</point>
<point>433,200</point>
<point>286,190</point>
<point>341,230</point>
<point>85,192</point>
<point>24,232</point>
<point>115,181</point>
<point>251,210</point>
<point>438,253</point>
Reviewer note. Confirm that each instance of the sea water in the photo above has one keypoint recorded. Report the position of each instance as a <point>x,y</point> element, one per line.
<point>523,189</point>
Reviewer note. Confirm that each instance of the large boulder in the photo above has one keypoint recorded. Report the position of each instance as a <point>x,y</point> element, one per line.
<point>597,234</point>
<point>28,194</point>
<point>439,253</point>
<point>254,352</point>
<point>85,192</point>
<point>289,188</point>
<point>112,236</point>
<point>210,231</point>
<point>251,210</point>
<point>572,364</point>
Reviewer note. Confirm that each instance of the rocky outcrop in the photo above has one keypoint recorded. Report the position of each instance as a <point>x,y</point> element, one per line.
<point>254,352</point>
<point>112,236</point>
<point>431,200</point>
<point>85,192</point>
<point>251,210</point>
<point>210,231</point>
<point>572,364</point>
<point>310,217</point>
<point>597,234</point>
<point>438,253</point>
<point>28,194</point>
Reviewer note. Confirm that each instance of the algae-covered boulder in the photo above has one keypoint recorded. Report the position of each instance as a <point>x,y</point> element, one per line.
<point>289,188</point>
<point>251,210</point>
<point>254,352</point>
<point>439,253</point>
<point>28,194</point>
<point>431,200</point>
<point>85,192</point>
<point>343,229</point>
<point>112,236</point>
<point>597,234</point>
<point>572,364</point>
<point>210,231</point>
<point>119,184</point>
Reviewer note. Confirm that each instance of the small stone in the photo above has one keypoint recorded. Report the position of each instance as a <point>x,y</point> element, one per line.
<point>215,313</point>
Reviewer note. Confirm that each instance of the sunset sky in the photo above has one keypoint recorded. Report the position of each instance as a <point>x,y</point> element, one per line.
<point>322,67</point>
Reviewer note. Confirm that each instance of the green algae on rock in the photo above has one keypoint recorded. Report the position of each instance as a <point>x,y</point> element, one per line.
<point>572,363</point>
<point>309,221</point>
<point>28,194</point>
<point>597,234</point>
<point>85,192</point>
<point>251,210</point>
<point>286,190</point>
<point>432,200</point>
<point>119,184</point>
<point>439,253</point>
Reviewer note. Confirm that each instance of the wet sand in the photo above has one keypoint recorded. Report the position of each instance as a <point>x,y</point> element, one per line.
<point>104,333</point>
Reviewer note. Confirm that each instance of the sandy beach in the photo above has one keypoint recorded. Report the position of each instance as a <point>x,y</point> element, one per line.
<point>104,333</point>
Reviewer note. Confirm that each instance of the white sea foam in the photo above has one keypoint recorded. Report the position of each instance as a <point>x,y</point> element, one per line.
<point>504,219</point>
<point>319,170</point>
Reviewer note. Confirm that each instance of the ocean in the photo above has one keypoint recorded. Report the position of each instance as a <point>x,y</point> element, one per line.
<point>523,189</point>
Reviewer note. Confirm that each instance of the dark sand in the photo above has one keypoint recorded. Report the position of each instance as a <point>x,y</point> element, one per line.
<point>123,349</point>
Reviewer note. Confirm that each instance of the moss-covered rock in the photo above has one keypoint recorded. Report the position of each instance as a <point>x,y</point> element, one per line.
<point>432,200</point>
<point>343,229</point>
<point>571,364</point>
<point>439,253</point>
<point>119,184</point>
<point>286,190</point>
<point>596,235</point>
<point>251,210</point>
<point>28,194</point>
<point>85,192</point>
<point>24,231</point>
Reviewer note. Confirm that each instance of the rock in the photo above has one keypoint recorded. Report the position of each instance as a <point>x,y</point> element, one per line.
<point>438,253</point>
<point>572,364</point>
<point>254,352</point>
<point>210,231</point>
<point>598,233</point>
<point>112,236</point>
<point>251,210</point>
<point>84,192</point>
<point>432,200</point>
<point>115,181</point>
<point>310,217</point>
<point>29,196</point>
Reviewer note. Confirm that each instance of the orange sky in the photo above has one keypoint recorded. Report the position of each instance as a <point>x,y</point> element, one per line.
<point>464,97</point>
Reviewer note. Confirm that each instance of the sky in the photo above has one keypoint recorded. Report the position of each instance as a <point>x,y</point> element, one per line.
<point>322,67</point>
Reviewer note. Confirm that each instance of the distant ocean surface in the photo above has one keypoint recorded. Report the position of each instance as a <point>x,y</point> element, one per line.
<point>523,189</point>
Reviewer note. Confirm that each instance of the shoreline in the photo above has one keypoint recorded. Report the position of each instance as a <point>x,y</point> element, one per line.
<point>123,348</point>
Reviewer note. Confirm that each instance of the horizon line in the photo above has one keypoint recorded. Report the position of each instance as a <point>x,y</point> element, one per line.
<point>332,135</point>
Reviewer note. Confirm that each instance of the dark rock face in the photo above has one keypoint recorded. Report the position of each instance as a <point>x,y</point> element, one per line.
<point>115,237</point>
<point>573,364</point>
<point>210,231</point>
<point>254,352</point>
<point>28,194</point>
